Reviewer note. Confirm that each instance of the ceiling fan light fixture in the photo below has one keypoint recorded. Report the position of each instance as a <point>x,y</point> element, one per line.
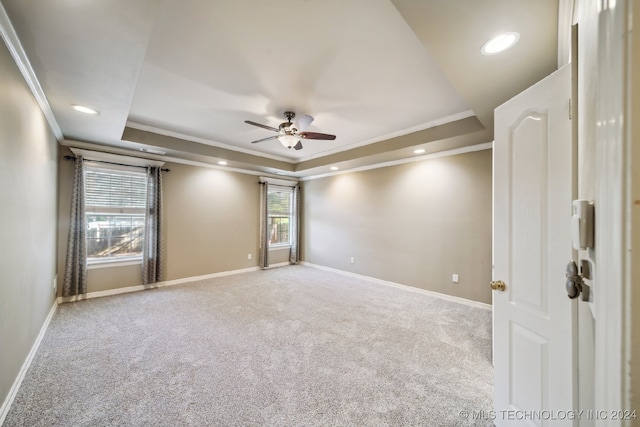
<point>500,43</point>
<point>288,140</point>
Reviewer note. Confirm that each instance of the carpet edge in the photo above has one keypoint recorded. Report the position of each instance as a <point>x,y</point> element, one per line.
<point>451,298</point>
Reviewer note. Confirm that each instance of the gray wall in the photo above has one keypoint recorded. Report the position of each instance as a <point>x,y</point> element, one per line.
<point>28,190</point>
<point>211,222</point>
<point>416,224</point>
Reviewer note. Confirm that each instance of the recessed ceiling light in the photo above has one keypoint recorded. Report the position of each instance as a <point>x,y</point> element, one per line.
<point>84,109</point>
<point>500,43</point>
<point>419,151</point>
<point>222,163</point>
<point>334,168</point>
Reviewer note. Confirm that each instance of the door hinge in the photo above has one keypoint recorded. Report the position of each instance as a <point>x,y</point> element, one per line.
<point>570,109</point>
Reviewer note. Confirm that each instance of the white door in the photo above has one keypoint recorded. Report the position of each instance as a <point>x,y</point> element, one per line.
<point>534,327</point>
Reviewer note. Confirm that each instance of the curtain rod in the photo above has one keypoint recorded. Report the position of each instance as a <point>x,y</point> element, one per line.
<point>113,163</point>
<point>278,185</point>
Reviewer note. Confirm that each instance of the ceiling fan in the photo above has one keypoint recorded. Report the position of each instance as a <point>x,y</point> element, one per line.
<point>290,133</point>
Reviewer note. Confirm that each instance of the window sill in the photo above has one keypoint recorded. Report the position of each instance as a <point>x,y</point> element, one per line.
<point>107,264</point>
<point>279,247</point>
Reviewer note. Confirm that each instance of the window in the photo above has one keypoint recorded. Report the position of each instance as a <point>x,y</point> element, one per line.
<point>279,210</point>
<point>115,203</point>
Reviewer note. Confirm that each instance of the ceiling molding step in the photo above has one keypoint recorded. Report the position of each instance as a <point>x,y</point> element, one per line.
<point>178,135</point>
<point>440,148</point>
<point>181,146</point>
<point>402,132</point>
<point>10,37</point>
<point>449,130</point>
<point>446,153</point>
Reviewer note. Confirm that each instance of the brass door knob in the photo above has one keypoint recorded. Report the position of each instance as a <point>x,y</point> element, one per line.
<point>498,285</point>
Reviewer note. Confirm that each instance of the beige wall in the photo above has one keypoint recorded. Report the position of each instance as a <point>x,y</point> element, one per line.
<point>28,190</point>
<point>279,256</point>
<point>414,224</point>
<point>211,220</point>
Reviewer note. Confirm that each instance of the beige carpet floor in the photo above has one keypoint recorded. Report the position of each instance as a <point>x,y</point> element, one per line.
<point>292,346</point>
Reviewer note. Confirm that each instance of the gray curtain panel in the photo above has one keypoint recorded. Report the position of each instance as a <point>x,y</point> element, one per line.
<point>294,256</point>
<point>75,274</point>
<point>152,250</point>
<point>264,223</point>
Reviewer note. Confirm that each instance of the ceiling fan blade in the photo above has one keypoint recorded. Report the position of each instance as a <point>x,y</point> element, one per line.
<point>303,122</point>
<point>265,139</point>
<point>261,126</point>
<point>298,146</point>
<point>316,135</point>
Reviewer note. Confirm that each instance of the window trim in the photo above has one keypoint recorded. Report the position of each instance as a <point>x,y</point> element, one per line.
<point>282,189</point>
<point>121,160</point>
<point>122,262</point>
<point>95,263</point>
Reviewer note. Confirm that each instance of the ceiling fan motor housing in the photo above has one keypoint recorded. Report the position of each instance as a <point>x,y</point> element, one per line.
<point>287,128</point>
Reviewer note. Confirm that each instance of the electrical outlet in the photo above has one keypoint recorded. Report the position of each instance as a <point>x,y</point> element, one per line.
<point>353,260</point>
<point>55,284</point>
<point>249,256</point>
<point>454,278</point>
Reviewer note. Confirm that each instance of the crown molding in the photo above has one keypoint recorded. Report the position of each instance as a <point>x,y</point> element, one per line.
<point>10,37</point>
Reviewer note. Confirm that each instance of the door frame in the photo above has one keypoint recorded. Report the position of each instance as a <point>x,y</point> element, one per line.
<point>614,162</point>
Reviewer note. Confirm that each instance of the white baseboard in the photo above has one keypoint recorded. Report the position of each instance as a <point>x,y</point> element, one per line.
<point>459,300</point>
<point>6,405</point>
<point>137,288</point>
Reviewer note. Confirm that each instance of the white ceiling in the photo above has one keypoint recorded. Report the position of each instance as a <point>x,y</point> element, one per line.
<point>182,76</point>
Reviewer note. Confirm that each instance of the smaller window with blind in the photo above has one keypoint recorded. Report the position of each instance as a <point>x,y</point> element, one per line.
<point>280,210</point>
<point>115,203</point>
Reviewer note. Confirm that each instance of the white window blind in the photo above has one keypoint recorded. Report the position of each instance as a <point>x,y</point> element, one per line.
<point>110,189</point>
<point>279,203</point>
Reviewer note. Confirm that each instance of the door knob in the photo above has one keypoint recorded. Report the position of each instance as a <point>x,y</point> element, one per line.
<point>575,280</point>
<point>498,285</point>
